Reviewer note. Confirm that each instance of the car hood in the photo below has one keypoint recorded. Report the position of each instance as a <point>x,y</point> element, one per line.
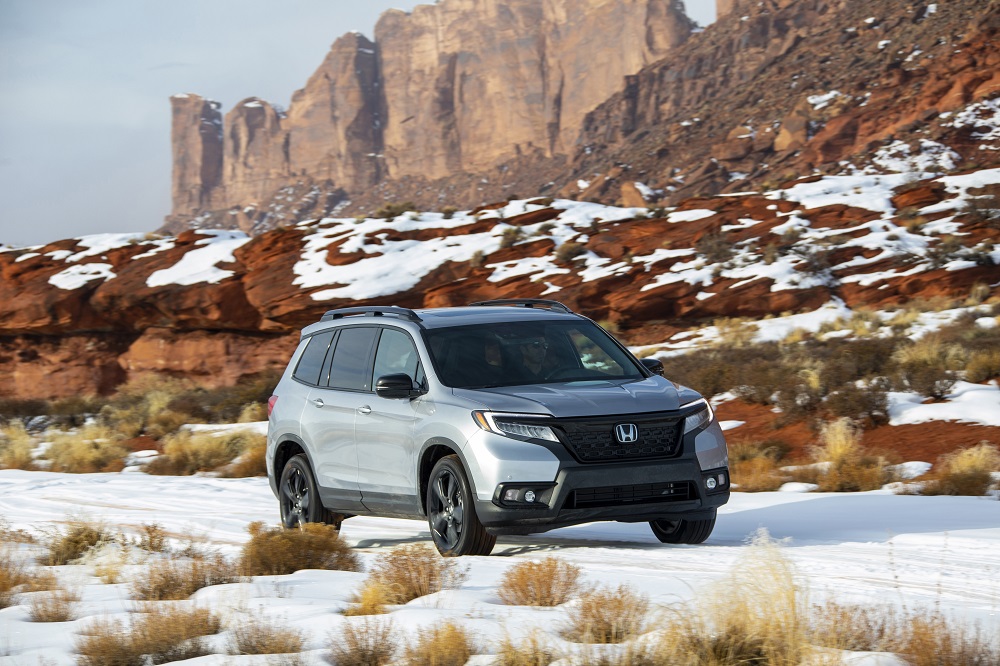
<point>572,399</point>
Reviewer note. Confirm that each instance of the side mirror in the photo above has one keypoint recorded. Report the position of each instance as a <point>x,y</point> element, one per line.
<point>653,365</point>
<point>396,386</point>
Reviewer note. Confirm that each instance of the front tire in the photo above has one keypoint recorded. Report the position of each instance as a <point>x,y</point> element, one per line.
<point>683,531</point>
<point>451,512</point>
<point>298,496</point>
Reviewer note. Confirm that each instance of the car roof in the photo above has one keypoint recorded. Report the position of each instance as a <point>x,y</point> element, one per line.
<point>462,316</point>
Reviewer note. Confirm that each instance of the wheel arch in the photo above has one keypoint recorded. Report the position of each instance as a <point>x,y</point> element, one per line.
<point>288,447</point>
<point>432,451</point>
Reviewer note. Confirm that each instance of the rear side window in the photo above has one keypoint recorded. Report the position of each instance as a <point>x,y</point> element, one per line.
<point>396,354</point>
<point>351,367</point>
<point>312,358</point>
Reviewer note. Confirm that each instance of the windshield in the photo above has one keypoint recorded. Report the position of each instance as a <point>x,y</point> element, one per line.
<point>526,352</point>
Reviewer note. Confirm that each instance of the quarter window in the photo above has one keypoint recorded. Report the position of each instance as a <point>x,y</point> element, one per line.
<point>312,358</point>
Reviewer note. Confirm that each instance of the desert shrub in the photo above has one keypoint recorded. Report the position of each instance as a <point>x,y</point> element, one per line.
<point>15,447</point>
<point>174,580</point>
<point>371,599</point>
<point>162,635</point>
<point>253,412</point>
<point>984,209</point>
<point>52,606</point>
<point>849,467</point>
<point>279,551</point>
<point>446,644</point>
<point>753,469</point>
<point>857,628</point>
<point>415,571</point>
<point>933,640</point>
<point>251,462</point>
<point>547,582</point>
<point>760,380</point>
<point>259,635</point>
<point>74,411</point>
<point>448,212</point>
<point>928,365</point>
<point>140,402</point>
<point>91,449</point>
<point>755,615</point>
<point>735,332</point>
<point>967,472</point>
<point>394,209</point>
<point>867,405</point>
<point>79,537</point>
<point>945,250</point>
<point>370,642</point>
<point>12,574</point>
<point>510,236</point>
<point>152,538</point>
<point>187,452</point>
<point>847,361</point>
<point>983,365</point>
<point>607,616</point>
<point>569,251</point>
<point>716,248</point>
<point>477,259</point>
<point>532,651</point>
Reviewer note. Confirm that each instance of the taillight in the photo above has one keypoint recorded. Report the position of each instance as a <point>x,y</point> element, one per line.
<point>271,402</point>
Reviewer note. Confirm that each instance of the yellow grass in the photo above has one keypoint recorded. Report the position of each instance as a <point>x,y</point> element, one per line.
<point>447,644</point>
<point>548,582</point>
<point>415,571</point>
<point>370,642</point>
<point>15,447</point>
<point>92,448</point>
<point>260,635</point>
<point>279,551</point>
<point>609,615</point>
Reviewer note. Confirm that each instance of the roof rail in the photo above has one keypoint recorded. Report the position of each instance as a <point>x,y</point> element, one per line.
<point>525,303</point>
<point>372,311</point>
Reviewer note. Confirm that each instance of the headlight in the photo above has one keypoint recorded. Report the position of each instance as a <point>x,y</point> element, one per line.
<point>702,417</point>
<point>514,425</point>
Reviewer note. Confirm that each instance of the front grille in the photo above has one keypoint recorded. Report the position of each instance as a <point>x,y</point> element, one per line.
<point>594,440</point>
<point>644,493</point>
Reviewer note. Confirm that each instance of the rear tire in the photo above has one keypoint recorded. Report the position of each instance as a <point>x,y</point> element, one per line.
<point>683,531</point>
<point>298,497</point>
<point>451,512</point>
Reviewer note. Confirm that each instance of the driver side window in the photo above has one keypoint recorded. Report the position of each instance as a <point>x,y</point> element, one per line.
<point>396,354</point>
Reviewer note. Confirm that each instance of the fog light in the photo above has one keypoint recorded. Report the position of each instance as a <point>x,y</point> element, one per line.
<point>529,496</point>
<point>510,495</point>
<point>710,483</point>
<point>722,479</point>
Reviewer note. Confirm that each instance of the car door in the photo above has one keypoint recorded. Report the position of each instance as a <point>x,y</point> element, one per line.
<point>329,419</point>
<point>384,433</point>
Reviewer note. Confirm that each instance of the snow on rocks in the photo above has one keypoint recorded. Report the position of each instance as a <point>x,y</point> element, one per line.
<point>967,403</point>
<point>201,263</point>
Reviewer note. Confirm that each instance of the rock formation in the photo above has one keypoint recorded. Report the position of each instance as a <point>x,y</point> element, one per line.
<point>456,87</point>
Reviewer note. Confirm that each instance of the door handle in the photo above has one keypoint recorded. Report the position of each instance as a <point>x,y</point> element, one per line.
<point>365,409</point>
<point>318,402</point>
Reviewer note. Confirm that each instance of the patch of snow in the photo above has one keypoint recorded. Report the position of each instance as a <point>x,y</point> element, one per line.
<point>200,264</point>
<point>78,275</point>
<point>797,487</point>
<point>870,192</point>
<point>967,403</point>
<point>822,101</point>
<point>911,470</point>
<point>930,158</point>
<point>582,184</point>
<point>729,425</point>
<point>689,215</point>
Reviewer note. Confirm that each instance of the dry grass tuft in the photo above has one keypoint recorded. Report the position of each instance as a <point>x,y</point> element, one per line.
<point>78,539</point>
<point>15,447</point>
<point>447,644</point>
<point>754,465</point>
<point>152,538</point>
<point>162,635</point>
<point>12,575</point>
<point>607,616</point>
<point>533,651</point>
<point>372,599</point>
<point>735,333</point>
<point>856,628</point>
<point>251,461</point>
<point>92,448</point>
<point>935,641</point>
<point>260,635</point>
<point>370,642</point>
<point>983,365</point>
<point>850,467</point>
<point>754,616</point>
<point>172,580</point>
<point>548,582</point>
<point>187,452</point>
<point>279,551</point>
<point>53,606</point>
<point>966,472</point>
<point>415,571</point>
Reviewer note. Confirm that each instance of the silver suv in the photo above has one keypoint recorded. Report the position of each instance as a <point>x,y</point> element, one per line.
<point>504,417</point>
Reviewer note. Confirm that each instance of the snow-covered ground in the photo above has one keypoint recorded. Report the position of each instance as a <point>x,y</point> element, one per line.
<point>934,553</point>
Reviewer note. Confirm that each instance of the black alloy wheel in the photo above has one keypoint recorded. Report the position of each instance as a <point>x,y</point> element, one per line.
<point>682,531</point>
<point>451,513</point>
<point>298,496</point>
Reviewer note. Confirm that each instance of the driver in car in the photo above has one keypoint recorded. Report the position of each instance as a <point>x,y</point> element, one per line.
<point>533,353</point>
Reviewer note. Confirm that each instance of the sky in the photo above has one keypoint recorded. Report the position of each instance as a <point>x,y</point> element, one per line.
<point>85,88</point>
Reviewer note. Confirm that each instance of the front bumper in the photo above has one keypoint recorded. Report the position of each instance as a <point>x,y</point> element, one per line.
<point>636,492</point>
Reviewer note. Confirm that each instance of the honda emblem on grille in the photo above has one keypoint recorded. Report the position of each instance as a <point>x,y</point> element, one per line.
<point>626,433</point>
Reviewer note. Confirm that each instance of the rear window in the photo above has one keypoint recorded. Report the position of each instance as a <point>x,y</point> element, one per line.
<point>311,362</point>
<point>532,352</point>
